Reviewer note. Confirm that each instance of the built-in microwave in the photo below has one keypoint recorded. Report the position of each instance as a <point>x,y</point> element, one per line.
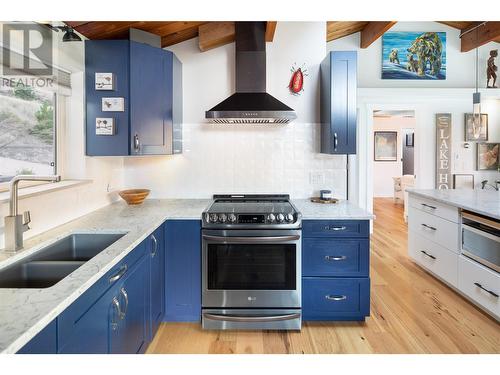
<point>481,239</point>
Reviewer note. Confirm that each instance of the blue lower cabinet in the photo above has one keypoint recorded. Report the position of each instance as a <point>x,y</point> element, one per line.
<point>128,333</point>
<point>156,243</point>
<point>335,298</point>
<point>183,270</point>
<point>45,342</point>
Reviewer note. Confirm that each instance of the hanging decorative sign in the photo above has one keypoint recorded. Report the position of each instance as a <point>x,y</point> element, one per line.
<point>443,151</point>
<point>296,84</point>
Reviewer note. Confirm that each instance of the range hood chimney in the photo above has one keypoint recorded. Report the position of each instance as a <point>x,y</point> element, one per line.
<point>251,104</point>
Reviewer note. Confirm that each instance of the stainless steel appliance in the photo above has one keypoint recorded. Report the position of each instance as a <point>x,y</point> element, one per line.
<point>481,239</point>
<point>251,263</point>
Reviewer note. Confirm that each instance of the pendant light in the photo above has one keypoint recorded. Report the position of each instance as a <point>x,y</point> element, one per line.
<point>476,97</point>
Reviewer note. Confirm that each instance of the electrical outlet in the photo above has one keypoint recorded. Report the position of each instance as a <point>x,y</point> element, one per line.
<point>316,178</point>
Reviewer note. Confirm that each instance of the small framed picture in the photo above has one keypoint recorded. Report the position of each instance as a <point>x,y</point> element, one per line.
<point>104,81</point>
<point>409,140</point>
<point>385,146</point>
<point>487,156</point>
<point>105,126</point>
<point>113,104</point>
<point>463,181</point>
<point>475,131</point>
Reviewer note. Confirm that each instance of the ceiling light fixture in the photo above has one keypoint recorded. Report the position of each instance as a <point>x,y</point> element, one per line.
<point>69,33</point>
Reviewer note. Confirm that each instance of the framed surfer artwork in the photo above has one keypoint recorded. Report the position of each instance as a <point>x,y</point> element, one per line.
<point>414,55</point>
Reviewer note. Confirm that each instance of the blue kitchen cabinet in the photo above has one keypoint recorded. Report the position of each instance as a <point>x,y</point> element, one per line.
<point>130,334</point>
<point>338,84</point>
<point>109,311</point>
<point>149,79</point>
<point>183,271</point>
<point>335,270</point>
<point>45,342</point>
<point>156,245</point>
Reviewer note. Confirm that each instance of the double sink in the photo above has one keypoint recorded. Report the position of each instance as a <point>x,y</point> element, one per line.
<point>54,262</point>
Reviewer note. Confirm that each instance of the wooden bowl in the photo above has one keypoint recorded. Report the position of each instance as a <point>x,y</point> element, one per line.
<point>134,196</point>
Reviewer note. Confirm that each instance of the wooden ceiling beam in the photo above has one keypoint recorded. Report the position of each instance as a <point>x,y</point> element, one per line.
<point>486,33</point>
<point>215,34</point>
<point>270,30</point>
<point>374,30</point>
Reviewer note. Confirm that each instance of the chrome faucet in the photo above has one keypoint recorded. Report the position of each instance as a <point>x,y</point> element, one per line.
<point>16,224</point>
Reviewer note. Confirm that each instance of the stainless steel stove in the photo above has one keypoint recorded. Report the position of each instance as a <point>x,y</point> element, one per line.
<point>251,259</point>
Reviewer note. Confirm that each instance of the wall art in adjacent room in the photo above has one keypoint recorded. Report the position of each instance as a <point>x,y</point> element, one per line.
<point>414,55</point>
<point>104,81</point>
<point>113,104</point>
<point>487,156</point>
<point>476,130</point>
<point>104,126</point>
<point>385,146</point>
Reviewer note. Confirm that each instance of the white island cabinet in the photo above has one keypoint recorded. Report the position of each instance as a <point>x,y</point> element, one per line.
<point>435,242</point>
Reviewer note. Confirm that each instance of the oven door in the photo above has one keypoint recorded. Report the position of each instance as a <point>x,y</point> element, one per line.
<point>251,269</point>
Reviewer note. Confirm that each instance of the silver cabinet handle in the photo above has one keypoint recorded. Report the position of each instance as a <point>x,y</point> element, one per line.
<point>428,227</point>
<point>125,297</point>
<point>335,141</point>
<point>486,290</point>
<point>250,319</point>
<point>335,258</point>
<point>427,254</point>
<point>428,206</point>
<point>136,142</point>
<point>155,247</point>
<point>118,312</point>
<point>119,274</point>
<point>335,298</point>
<point>336,228</point>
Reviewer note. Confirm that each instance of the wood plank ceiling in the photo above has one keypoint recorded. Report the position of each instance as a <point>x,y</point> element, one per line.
<point>215,34</point>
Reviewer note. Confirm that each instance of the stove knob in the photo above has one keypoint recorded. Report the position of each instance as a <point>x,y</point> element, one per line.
<point>289,217</point>
<point>271,218</point>
<point>213,218</point>
<point>280,218</point>
<point>232,218</point>
<point>222,218</point>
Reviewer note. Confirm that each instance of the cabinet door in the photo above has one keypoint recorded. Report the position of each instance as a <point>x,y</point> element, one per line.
<point>129,337</point>
<point>157,279</point>
<point>45,342</point>
<point>150,99</point>
<point>183,270</point>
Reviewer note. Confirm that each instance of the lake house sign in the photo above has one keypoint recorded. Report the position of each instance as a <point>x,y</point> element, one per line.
<point>443,151</point>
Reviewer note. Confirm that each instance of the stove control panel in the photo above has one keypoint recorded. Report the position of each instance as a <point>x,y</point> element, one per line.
<point>223,218</point>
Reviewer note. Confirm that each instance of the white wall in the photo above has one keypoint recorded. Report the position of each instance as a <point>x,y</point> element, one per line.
<point>384,171</point>
<point>246,158</point>
<point>460,67</point>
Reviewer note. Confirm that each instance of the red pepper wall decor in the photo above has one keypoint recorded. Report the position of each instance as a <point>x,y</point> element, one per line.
<point>296,84</point>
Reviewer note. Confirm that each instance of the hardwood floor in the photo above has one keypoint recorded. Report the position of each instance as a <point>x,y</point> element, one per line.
<point>411,312</point>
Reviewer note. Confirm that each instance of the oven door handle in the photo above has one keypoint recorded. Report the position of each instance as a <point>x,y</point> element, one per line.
<point>250,240</point>
<point>251,319</point>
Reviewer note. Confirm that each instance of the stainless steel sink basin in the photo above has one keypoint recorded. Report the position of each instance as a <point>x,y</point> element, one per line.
<point>56,261</point>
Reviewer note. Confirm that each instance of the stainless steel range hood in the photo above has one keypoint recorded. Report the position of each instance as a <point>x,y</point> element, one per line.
<point>251,104</point>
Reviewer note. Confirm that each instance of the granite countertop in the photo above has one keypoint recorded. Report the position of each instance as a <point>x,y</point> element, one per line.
<point>25,312</point>
<point>484,202</point>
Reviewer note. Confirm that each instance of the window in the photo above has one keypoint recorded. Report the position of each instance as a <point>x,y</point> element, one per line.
<point>27,131</point>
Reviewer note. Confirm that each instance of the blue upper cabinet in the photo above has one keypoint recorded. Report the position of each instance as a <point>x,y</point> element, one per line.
<point>338,103</point>
<point>149,80</point>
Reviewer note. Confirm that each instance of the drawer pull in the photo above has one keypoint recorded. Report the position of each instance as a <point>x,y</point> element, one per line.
<point>428,227</point>
<point>427,254</point>
<point>428,206</point>
<point>335,298</point>
<point>486,290</point>
<point>335,258</point>
<point>336,228</point>
<point>119,274</point>
<point>116,306</point>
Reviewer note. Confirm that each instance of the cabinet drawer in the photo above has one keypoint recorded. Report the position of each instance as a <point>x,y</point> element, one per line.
<point>434,228</point>
<point>335,257</point>
<point>335,299</point>
<point>435,208</point>
<point>480,284</point>
<point>336,228</point>
<point>435,258</point>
